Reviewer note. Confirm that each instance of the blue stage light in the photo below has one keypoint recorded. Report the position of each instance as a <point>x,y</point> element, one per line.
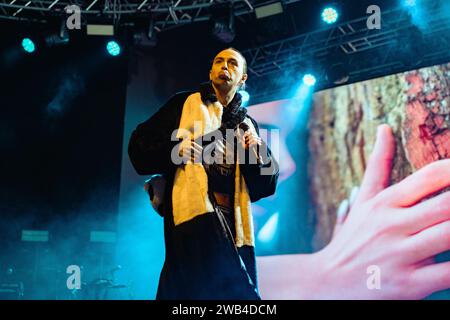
<point>245,96</point>
<point>309,80</point>
<point>28,45</point>
<point>330,15</point>
<point>113,48</point>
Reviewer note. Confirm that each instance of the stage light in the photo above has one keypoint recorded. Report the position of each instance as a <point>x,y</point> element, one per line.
<point>35,235</point>
<point>100,30</point>
<point>59,38</point>
<point>330,15</point>
<point>269,10</point>
<point>245,97</point>
<point>337,70</point>
<point>146,37</point>
<point>309,80</point>
<point>28,45</point>
<point>113,48</point>
<point>222,17</point>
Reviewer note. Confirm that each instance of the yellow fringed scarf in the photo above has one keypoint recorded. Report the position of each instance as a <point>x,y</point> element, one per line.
<point>190,189</point>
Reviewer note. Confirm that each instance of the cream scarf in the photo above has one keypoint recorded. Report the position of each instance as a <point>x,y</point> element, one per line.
<point>190,188</point>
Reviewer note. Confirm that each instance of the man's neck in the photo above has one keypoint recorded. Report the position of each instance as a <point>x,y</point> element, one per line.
<point>224,96</point>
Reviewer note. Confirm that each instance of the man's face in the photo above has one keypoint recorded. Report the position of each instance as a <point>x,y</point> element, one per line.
<point>227,71</point>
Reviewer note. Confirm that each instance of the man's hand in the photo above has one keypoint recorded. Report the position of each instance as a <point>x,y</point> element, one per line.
<point>390,229</point>
<point>190,151</point>
<point>249,139</point>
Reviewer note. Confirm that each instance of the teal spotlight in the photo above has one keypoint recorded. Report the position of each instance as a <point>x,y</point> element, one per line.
<point>28,45</point>
<point>245,97</point>
<point>330,15</point>
<point>113,48</point>
<point>309,80</point>
<point>410,3</point>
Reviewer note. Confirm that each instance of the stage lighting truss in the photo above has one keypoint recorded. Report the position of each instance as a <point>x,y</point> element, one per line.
<point>167,14</point>
<point>370,53</point>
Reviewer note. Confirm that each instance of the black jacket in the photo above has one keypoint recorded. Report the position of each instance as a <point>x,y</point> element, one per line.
<point>194,265</point>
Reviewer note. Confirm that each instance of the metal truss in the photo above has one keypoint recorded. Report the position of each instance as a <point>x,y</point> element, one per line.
<point>369,53</point>
<point>165,14</point>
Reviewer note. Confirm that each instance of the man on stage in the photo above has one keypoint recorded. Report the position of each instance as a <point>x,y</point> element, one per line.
<point>208,226</point>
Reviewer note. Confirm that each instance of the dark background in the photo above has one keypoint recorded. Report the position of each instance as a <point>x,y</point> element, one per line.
<point>61,143</point>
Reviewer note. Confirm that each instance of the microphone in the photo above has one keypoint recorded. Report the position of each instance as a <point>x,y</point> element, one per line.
<point>245,127</point>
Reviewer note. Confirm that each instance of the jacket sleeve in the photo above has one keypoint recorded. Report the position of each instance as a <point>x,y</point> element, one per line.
<point>261,179</point>
<point>150,144</point>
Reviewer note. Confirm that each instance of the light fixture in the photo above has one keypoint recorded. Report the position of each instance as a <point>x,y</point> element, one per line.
<point>337,69</point>
<point>28,45</point>
<point>59,38</point>
<point>145,37</point>
<point>222,17</point>
<point>309,80</point>
<point>113,48</point>
<point>269,10</point>
<point>330,15</point>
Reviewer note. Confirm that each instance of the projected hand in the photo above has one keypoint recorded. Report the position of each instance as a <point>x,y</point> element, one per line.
<point>390,236</point>
<point>344,208</point>
<point>386,247</point>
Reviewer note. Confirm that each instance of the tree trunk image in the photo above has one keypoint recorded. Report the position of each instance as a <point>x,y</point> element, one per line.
<point>343,124</point>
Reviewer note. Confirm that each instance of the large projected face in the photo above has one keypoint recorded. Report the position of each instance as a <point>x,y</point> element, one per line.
<point>274,119</point>
<point>273,115</point>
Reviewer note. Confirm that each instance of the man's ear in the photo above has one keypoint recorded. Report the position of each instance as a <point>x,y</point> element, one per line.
<point>210,74</point>
<point>244,78</point>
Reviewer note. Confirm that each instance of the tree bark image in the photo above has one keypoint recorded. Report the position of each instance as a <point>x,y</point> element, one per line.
<point>342,127</point>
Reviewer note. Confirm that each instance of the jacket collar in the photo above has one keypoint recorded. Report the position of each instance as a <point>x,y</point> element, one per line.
<point>209,95</point>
